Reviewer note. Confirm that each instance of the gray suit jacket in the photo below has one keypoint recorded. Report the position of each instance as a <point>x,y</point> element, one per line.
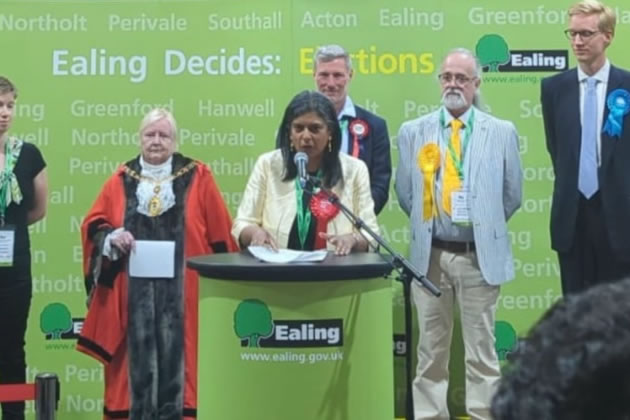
<point>495,189</point>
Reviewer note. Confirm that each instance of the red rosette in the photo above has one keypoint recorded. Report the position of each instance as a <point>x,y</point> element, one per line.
<point>359,129</point>
<point>323,211</point>
<point>322,208</point>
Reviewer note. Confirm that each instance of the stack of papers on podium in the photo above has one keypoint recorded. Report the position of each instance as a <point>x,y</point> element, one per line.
<point>284,256</point>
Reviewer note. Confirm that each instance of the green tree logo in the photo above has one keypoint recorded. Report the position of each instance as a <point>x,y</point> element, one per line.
<point>506,339</point>
<point>492,51</point>
<point>55,320</point>
<point>252,321</point>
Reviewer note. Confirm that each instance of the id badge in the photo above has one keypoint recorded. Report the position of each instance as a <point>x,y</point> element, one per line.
<point>7,245</point>
<point>460,207</point>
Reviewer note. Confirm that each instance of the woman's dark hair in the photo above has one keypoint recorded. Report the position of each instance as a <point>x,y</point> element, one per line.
<point>302,103</point>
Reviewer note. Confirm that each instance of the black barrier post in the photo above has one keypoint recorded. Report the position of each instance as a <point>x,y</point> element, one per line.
<point>46,396</point>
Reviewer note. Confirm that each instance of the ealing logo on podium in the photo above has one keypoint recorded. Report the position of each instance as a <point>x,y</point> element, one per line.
<point>254,325</point>
<point>494,55</point>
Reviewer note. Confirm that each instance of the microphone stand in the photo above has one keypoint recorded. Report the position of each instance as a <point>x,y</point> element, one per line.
<point>406,274</point>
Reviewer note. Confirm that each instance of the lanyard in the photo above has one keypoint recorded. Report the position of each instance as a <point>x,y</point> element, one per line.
<point>459,163</point>
<point>303,214</point>
<point>5,181</point>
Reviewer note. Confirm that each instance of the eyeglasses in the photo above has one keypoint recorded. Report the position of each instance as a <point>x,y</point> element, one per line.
<point>584,35</point>
<point>459,79</point>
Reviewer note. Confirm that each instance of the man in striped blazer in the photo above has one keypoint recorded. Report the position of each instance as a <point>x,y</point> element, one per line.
<point>459,179</point>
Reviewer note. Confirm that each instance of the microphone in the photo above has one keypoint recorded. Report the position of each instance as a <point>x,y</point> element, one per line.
<point>301,160</point>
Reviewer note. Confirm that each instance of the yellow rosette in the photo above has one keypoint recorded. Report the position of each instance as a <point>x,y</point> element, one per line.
<point>429,162</point>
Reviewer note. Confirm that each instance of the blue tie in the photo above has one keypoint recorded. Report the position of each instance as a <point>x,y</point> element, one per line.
<point>587,178</point>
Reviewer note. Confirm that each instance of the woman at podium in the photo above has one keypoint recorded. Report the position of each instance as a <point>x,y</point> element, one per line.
<point>283,205</point>
<point>157,210</point>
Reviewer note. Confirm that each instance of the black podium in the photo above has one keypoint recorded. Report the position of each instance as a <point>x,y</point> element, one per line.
<point>306,341</point>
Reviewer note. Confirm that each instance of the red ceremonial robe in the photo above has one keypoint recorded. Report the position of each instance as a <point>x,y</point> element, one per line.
<point>145,330</point>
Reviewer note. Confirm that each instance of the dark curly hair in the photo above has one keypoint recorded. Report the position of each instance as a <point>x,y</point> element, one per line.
<point>575,362</point>
<point>302,103</point>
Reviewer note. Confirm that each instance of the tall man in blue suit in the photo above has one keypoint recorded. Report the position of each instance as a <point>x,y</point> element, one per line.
<point>585,112</point>
<point>364,135</point>
<point>459,179</point>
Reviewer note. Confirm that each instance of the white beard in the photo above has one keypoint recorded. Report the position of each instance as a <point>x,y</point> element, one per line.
<point>453,100</point>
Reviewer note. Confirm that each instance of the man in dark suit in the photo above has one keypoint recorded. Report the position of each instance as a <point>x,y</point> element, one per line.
<point>585,113</point>
<point>364,135</point>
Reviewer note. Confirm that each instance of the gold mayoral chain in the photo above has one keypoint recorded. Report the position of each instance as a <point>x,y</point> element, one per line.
<point>155,203</point>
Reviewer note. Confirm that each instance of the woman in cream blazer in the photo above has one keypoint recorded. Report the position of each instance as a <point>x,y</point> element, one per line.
<point>269,211</point>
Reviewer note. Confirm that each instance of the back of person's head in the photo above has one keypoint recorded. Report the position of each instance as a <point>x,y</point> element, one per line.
<point>575,362</point>
<point>6,86</point>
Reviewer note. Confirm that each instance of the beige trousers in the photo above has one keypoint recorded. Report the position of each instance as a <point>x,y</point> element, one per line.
<point>459,277</point>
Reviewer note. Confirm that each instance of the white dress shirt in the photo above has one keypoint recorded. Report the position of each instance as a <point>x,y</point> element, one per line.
<point>347,111</point>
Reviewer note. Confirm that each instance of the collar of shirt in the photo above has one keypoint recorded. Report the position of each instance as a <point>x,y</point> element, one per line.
<point>448,117</point>
<point>348,110</point>
<point>601,76</point>
<point>156,171</point>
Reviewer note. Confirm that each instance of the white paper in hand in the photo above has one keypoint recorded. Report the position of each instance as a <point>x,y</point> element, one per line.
<point>154,259</point>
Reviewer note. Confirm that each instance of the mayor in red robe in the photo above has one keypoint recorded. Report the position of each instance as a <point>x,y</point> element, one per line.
<point>144,328</point>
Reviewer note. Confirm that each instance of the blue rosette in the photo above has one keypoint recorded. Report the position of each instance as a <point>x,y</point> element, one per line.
<point>618,103</point>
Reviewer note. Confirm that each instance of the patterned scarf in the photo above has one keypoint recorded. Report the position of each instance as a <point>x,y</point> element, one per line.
<point>9,187</point>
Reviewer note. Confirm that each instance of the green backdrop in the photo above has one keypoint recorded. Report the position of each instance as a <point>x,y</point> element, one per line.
<point>88,70</point>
